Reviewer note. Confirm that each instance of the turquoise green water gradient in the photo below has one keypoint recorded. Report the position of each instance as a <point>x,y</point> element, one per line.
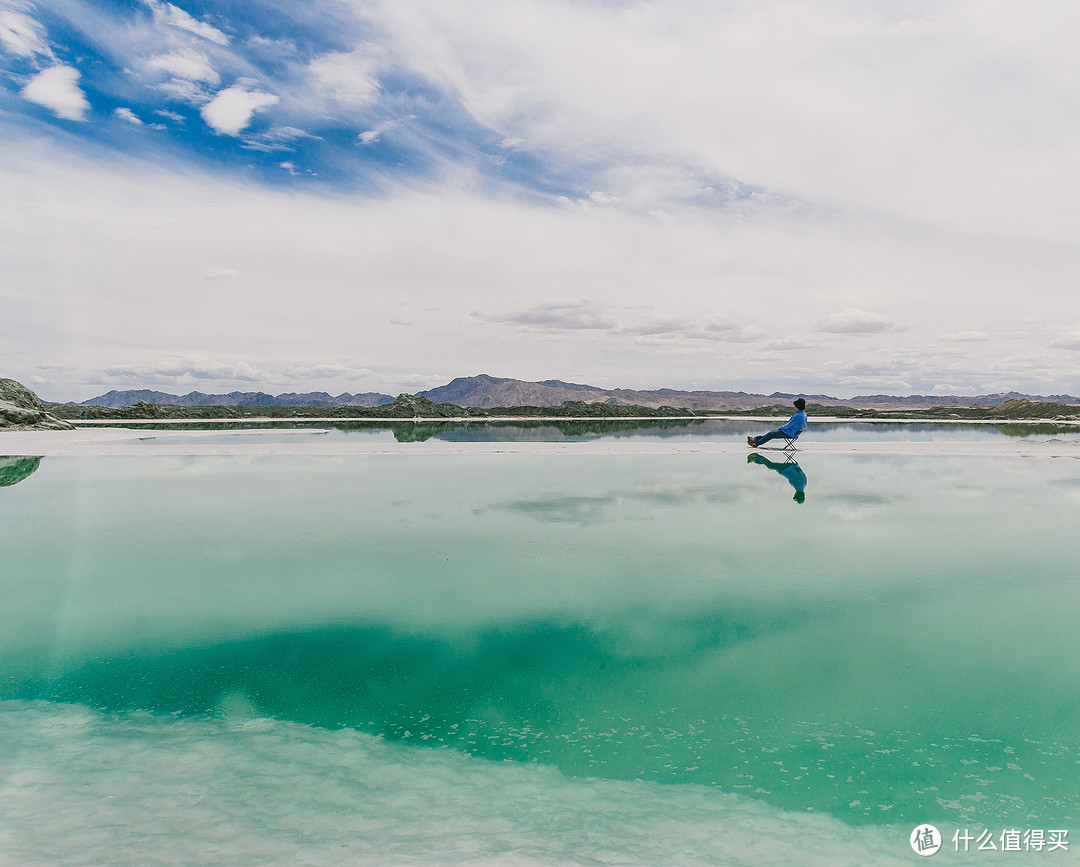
<point>899,647</point>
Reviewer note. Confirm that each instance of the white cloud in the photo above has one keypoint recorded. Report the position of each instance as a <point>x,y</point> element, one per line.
<point>219,273</point>
<point>183,369</point>
<point>184,73</point>
<point>559,316</point>
<point>791,343</point>
<point>174,16</point>
<point>22,35</point>
<point>1067,341</point>
<point>232,109</point>
<point>667,303</point>
<point>419,381</point>
<point>277,138</point>
<point>968,336</point>
<point>373,135</point>
<point>186,64</point>
<point>348,78</point>
<point>948,388</point>
<point>712,328</point>
<point>195,370</point>
<point>852,320</point>
<point>57,88</point>
<point>317,372</point>
<point>128,115</point>
<point>566,317</point>
<point>955,114</point>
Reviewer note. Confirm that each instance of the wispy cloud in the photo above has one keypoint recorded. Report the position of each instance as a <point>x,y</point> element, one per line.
<point>189,369</point>
<point>185,63</point>
<point>373,135</point>
<point>277,138</point>
<point>217,272</point>
<point>744,191</point>
<point>174,16</point>
<point>852,320</point>
<point>1070,340</point>
<point>712,328</point>
<point>57,89</point>
<point>571,316</point>
<point>348,78</point>
<point>128,115</point>
<point>186,370</point>
<point>792,343</point>
<point>968,337</point>
<point>183,73</point>
<point>558,316</point>
<point>21,34</point>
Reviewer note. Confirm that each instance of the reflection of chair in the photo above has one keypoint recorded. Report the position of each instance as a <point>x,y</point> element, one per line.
<point>789,469</point>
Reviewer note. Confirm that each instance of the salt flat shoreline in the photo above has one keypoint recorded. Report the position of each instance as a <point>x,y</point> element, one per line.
<point>542,419</point>
<point>103,441</point>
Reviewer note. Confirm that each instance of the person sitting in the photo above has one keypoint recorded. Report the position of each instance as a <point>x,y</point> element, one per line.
<point>795,426</point>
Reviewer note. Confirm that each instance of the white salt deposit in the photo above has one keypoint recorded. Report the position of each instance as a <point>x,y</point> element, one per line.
<point>82,787</point>
<point>115,441</point>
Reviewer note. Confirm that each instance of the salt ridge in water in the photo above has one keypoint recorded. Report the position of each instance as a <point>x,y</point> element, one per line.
<point>82,787</point>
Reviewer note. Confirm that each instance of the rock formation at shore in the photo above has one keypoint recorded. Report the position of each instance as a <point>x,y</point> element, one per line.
<point>21,409</point>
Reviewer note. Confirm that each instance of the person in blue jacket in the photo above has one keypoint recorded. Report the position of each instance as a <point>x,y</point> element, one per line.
<point>795,426</point>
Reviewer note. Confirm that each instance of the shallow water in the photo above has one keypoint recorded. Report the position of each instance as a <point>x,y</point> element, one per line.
<point>675,430</point>
<point>617,639</point>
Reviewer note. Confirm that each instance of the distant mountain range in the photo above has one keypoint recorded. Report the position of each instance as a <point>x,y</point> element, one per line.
<point>491,391</point>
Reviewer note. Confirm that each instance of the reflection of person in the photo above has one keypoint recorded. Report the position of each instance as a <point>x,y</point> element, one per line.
<point>790,470</point>
<point>794,426</point>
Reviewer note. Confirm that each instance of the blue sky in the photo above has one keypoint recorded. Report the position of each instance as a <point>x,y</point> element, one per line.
<point>359,195</point>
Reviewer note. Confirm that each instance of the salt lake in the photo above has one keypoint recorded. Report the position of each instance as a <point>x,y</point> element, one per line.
<point>662,656</point>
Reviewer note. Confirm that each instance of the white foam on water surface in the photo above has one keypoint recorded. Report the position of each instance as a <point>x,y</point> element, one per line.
<point>82,787</point>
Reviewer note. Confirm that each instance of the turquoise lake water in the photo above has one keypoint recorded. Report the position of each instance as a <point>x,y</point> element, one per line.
<point>547,659</point>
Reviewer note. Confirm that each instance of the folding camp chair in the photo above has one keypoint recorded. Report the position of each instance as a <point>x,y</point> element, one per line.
<point>788,447</point>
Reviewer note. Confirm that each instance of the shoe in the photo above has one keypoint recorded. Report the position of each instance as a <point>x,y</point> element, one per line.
<point>752,442</point>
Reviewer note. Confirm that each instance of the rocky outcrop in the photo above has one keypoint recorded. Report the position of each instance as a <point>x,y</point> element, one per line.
<point>20,408</point>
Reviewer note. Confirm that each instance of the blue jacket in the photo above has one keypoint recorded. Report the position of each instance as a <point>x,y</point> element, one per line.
<point>796,424</point>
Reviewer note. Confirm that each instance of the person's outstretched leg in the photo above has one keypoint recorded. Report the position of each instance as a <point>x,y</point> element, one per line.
<point>764,438</point>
